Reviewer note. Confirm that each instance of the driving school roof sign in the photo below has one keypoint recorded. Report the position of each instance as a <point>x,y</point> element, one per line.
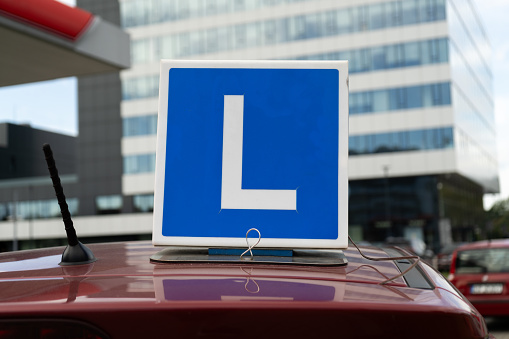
<point>252,144</point>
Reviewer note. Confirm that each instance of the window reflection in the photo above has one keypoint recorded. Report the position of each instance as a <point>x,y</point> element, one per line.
<point>135,126</point>
<point>416,140</point>
<point>400,98</point>
<point>409,11</point>
<point>376,16</point>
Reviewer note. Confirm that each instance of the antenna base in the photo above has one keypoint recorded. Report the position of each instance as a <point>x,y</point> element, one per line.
<point>78,254</point>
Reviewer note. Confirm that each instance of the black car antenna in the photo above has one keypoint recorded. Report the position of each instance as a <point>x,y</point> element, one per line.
<point>75,253</point>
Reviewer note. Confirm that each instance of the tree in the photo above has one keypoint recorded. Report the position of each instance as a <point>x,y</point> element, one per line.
<point>498,219</point>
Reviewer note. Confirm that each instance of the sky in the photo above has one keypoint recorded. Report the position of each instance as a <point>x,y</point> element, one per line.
<point>52,105</point>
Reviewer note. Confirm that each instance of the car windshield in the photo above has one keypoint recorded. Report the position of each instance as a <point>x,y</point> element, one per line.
<point>490,260</point>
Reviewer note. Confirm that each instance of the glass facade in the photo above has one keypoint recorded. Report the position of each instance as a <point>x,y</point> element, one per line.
<point>360,102</point>
<point>148,12</point>
<point>472,93</point>
<point>472,75</point>
<point>389,207</point>
<point>371,59</point>
<point>281,30</point>
<point>405,141</point>
<point>482,157</point>
<point>475,124</point>
<point>394,99</point>
<point>468,35</point>
<point>385,207</point>
<point>415,53</point>
<point>460,201</point>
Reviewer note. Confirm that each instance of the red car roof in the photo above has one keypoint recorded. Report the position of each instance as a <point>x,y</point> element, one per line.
<point>124,287</point>
<point>496,243</point>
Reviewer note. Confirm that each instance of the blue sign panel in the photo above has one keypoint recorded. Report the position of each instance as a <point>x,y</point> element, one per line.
<point>249,147</point>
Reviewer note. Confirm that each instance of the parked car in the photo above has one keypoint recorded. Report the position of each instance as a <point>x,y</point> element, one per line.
<point>444,257</point>
<point>480,271</point>
<point>124,294</point>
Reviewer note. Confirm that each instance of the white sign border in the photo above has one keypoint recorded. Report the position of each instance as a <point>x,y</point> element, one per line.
<point>340,243</point>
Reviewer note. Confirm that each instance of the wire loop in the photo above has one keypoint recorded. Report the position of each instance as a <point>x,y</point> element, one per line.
<point>249,247</point>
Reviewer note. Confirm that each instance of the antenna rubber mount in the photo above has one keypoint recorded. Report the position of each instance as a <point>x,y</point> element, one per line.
<point>78,254</point>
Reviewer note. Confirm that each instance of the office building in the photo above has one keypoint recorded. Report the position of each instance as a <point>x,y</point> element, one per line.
<point>422,136</point>
<point>24,178</point>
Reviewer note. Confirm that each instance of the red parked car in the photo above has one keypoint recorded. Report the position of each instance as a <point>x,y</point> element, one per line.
<point>124,294</point>
<point>480,271</point>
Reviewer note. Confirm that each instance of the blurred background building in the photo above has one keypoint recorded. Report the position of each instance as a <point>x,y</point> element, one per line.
<point>23,184</point>
<point>422,136</point>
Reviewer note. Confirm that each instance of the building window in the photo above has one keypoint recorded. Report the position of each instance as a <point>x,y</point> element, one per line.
<point>143,203</point>
<point>416,140</point>
<point>376,16</point>
<point>140,51</point>
<point>108,204</point>
<point>136,126</point>
<point>139,163</point>
<point>410,12</point>
<point>269,32</point>
<point>36,209</point>
<point>400,98</point>
<point>362,60</point>
<point>142,87</point>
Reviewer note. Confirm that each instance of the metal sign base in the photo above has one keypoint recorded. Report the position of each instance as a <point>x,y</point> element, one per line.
<point>298,257</point>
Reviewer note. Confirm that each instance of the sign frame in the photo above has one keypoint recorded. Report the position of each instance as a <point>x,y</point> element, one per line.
<point>341,242</point>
